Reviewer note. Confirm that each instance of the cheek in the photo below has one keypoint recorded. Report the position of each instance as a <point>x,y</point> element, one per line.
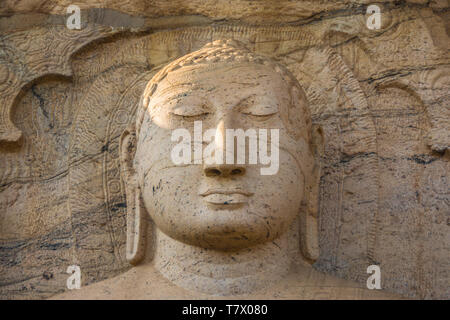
<point>291,179</point>
<point>153,152</point>
<point>168,193</point>
<point>280,195</point>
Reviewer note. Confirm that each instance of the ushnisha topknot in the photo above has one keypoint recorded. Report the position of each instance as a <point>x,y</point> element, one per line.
<point>234,52</point>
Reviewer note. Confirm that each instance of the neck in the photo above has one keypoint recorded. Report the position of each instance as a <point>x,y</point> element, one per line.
<point>217,272</point>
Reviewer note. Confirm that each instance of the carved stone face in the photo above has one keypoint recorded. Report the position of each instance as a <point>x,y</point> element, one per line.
<point>218,206</point>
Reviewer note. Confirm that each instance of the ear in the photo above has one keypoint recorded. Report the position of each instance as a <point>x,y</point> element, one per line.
<point>309,220</point>
<point>136,222</point>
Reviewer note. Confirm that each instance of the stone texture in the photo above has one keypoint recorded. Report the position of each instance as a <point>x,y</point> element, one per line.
<point>381,98</point>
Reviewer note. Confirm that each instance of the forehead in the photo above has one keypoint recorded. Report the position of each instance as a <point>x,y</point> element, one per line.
<point>237,79</point>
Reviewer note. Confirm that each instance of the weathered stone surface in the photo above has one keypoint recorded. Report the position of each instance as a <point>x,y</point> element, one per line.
<point>381,97</point>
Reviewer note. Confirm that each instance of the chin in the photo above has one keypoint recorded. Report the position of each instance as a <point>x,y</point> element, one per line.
<point>232,233</point>
<point>222,242</point>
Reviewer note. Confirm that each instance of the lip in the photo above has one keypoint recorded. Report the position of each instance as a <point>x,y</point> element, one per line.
<point>226,192</point>
<point>226,198</point>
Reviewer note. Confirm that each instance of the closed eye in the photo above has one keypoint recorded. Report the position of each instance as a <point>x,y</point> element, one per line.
<point>187,111</point>
<point>259,112</point>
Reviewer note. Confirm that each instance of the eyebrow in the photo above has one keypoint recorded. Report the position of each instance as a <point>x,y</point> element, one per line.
<point>245,99</point>
<point>172,86</point>
<point>175,96</point>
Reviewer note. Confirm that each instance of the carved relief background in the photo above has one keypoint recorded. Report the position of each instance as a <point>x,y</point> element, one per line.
<point>381,97</point>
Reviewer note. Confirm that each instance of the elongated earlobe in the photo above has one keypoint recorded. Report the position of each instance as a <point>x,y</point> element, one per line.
<point>136,230</point>
<point>310,209</point>
<point>310,230</point>
<point>136,222</point>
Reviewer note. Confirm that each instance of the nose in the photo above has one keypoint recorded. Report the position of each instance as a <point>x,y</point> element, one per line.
<point>220,169</point>
<point>223,170</point>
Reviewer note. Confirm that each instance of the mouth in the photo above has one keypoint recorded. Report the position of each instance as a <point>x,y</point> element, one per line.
<point>226,198</point>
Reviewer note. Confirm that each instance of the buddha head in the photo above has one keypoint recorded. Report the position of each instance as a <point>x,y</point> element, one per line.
<point>221,205</point>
